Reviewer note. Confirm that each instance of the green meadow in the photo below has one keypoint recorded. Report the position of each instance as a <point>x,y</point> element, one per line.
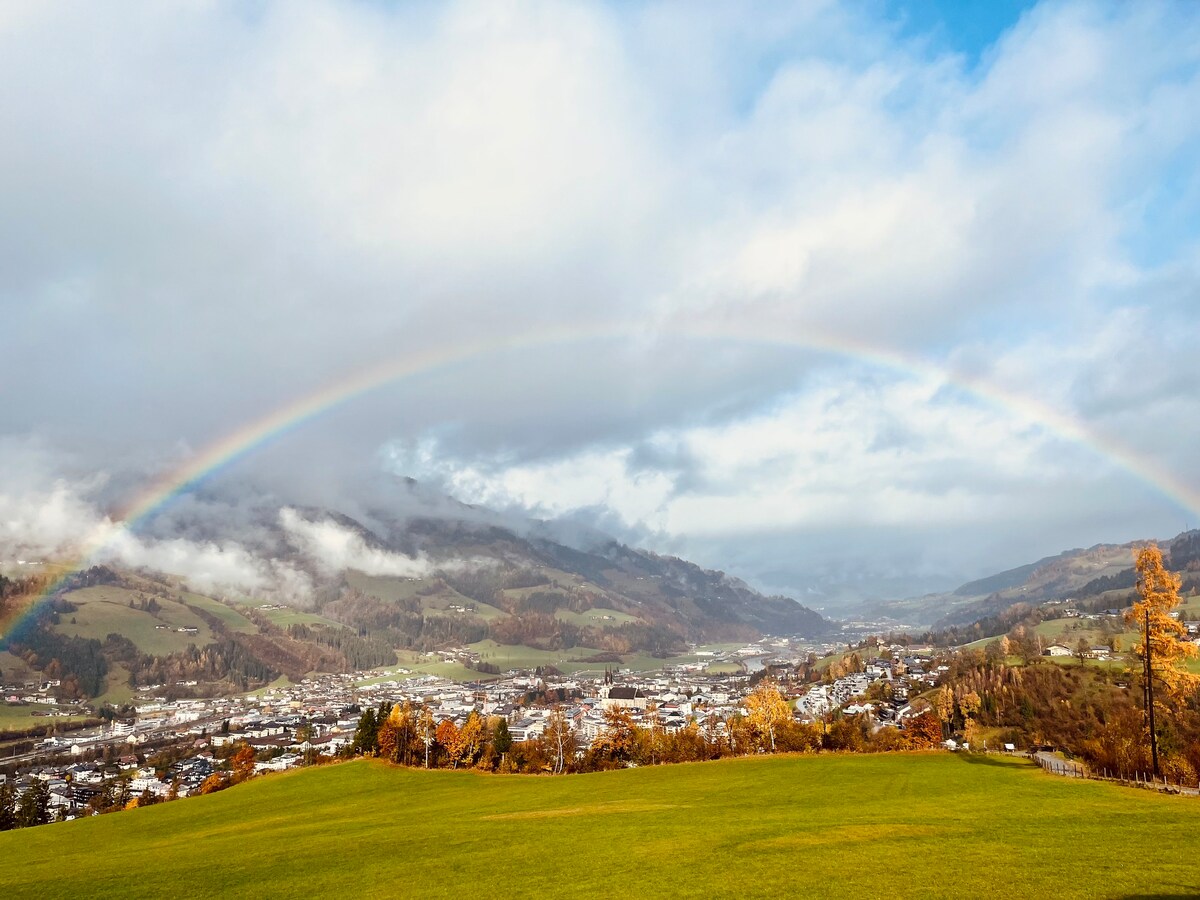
<point>920,825</point>
<point>105,609</point>
<point>15,717</point>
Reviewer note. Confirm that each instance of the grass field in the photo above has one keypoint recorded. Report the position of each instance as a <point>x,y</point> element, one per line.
<point>521,657</point>
<point>105,609</point>
<point>117,691</point>
<point>20,716</point>
<point>391,588</point>
<point>14,669</point>
<point>933,825</point>
<point>284,616</point>
<point>723,668</point>
<point>420,664</point>
<point>230,617</point>
<point>598,617</point>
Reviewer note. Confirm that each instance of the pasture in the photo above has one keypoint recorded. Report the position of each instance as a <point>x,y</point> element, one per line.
<point>910,825</point>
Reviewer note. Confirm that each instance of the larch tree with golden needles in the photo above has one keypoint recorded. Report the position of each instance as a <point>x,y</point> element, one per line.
<point>943,704</point>
<point>1163,646</point>
<point>447,738</point>
<point>469,741</point>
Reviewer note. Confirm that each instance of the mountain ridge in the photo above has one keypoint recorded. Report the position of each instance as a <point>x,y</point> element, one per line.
<point>1080,572</point>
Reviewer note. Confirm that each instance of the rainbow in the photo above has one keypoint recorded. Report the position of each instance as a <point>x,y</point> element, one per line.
<point>233,447</point>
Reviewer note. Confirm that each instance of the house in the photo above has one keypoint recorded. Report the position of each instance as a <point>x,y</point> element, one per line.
<point>527,728</point>
<point>1057,650</point>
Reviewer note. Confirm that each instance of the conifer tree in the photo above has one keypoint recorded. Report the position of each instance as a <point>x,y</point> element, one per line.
<point>1162,647</point>
<point>8,806</point>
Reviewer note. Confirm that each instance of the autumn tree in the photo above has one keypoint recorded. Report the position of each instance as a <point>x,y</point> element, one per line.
<point>969,705</point>
<point>652,735</point>
<point>387,738</point>
<point>402,726</point>
<point>426,730</point>
<point>470,741</point>
<point>925,730</point>
<point>1162,647</point>
<point>447,738</point>
<point>559,738</point>
<point>242,762</point>
<point>616,743</point>
<point>767,711</point>
<point>943,705</point>
<point>217,781</point>
<point>743,737</point>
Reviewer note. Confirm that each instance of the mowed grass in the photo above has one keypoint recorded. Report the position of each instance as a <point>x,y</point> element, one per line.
<point>931,826</point>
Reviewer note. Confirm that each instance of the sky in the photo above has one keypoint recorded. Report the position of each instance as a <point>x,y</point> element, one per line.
<point>848,299</point>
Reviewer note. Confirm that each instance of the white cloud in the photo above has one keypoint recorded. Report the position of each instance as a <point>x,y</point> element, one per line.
<point>271,200</point>
<point>857,448</point>
<point>335,548</point>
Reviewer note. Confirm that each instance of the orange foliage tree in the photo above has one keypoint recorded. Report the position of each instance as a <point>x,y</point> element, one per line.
<point>1163,647</point>
<point>242,763</point>
<point>616,744</point>
<point>388,737</point>
<point>217,781</point>
<point>925,731</point>
<point>447,737</point>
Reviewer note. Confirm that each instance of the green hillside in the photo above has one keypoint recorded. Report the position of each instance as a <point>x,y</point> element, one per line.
<point>931,825</point>
<point>106,608</point>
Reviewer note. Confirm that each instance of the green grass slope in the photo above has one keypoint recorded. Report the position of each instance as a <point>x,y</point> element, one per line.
<point>830,826</point>
<point>105,609</point>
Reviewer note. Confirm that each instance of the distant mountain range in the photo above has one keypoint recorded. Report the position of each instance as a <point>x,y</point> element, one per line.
<point>351,595</point>
<point>1105,569</point>
<point>537,581</point>
<point>417,572</point>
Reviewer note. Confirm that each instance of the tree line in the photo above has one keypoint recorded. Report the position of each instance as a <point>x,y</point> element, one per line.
<point>410,734</point>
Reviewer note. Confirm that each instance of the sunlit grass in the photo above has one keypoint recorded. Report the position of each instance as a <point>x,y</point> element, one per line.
<point>931,825</point>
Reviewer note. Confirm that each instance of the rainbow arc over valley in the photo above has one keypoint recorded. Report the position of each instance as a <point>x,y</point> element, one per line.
<point>226,451</point>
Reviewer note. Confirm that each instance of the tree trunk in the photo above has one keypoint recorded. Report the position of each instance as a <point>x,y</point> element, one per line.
<point>1150,699</point>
